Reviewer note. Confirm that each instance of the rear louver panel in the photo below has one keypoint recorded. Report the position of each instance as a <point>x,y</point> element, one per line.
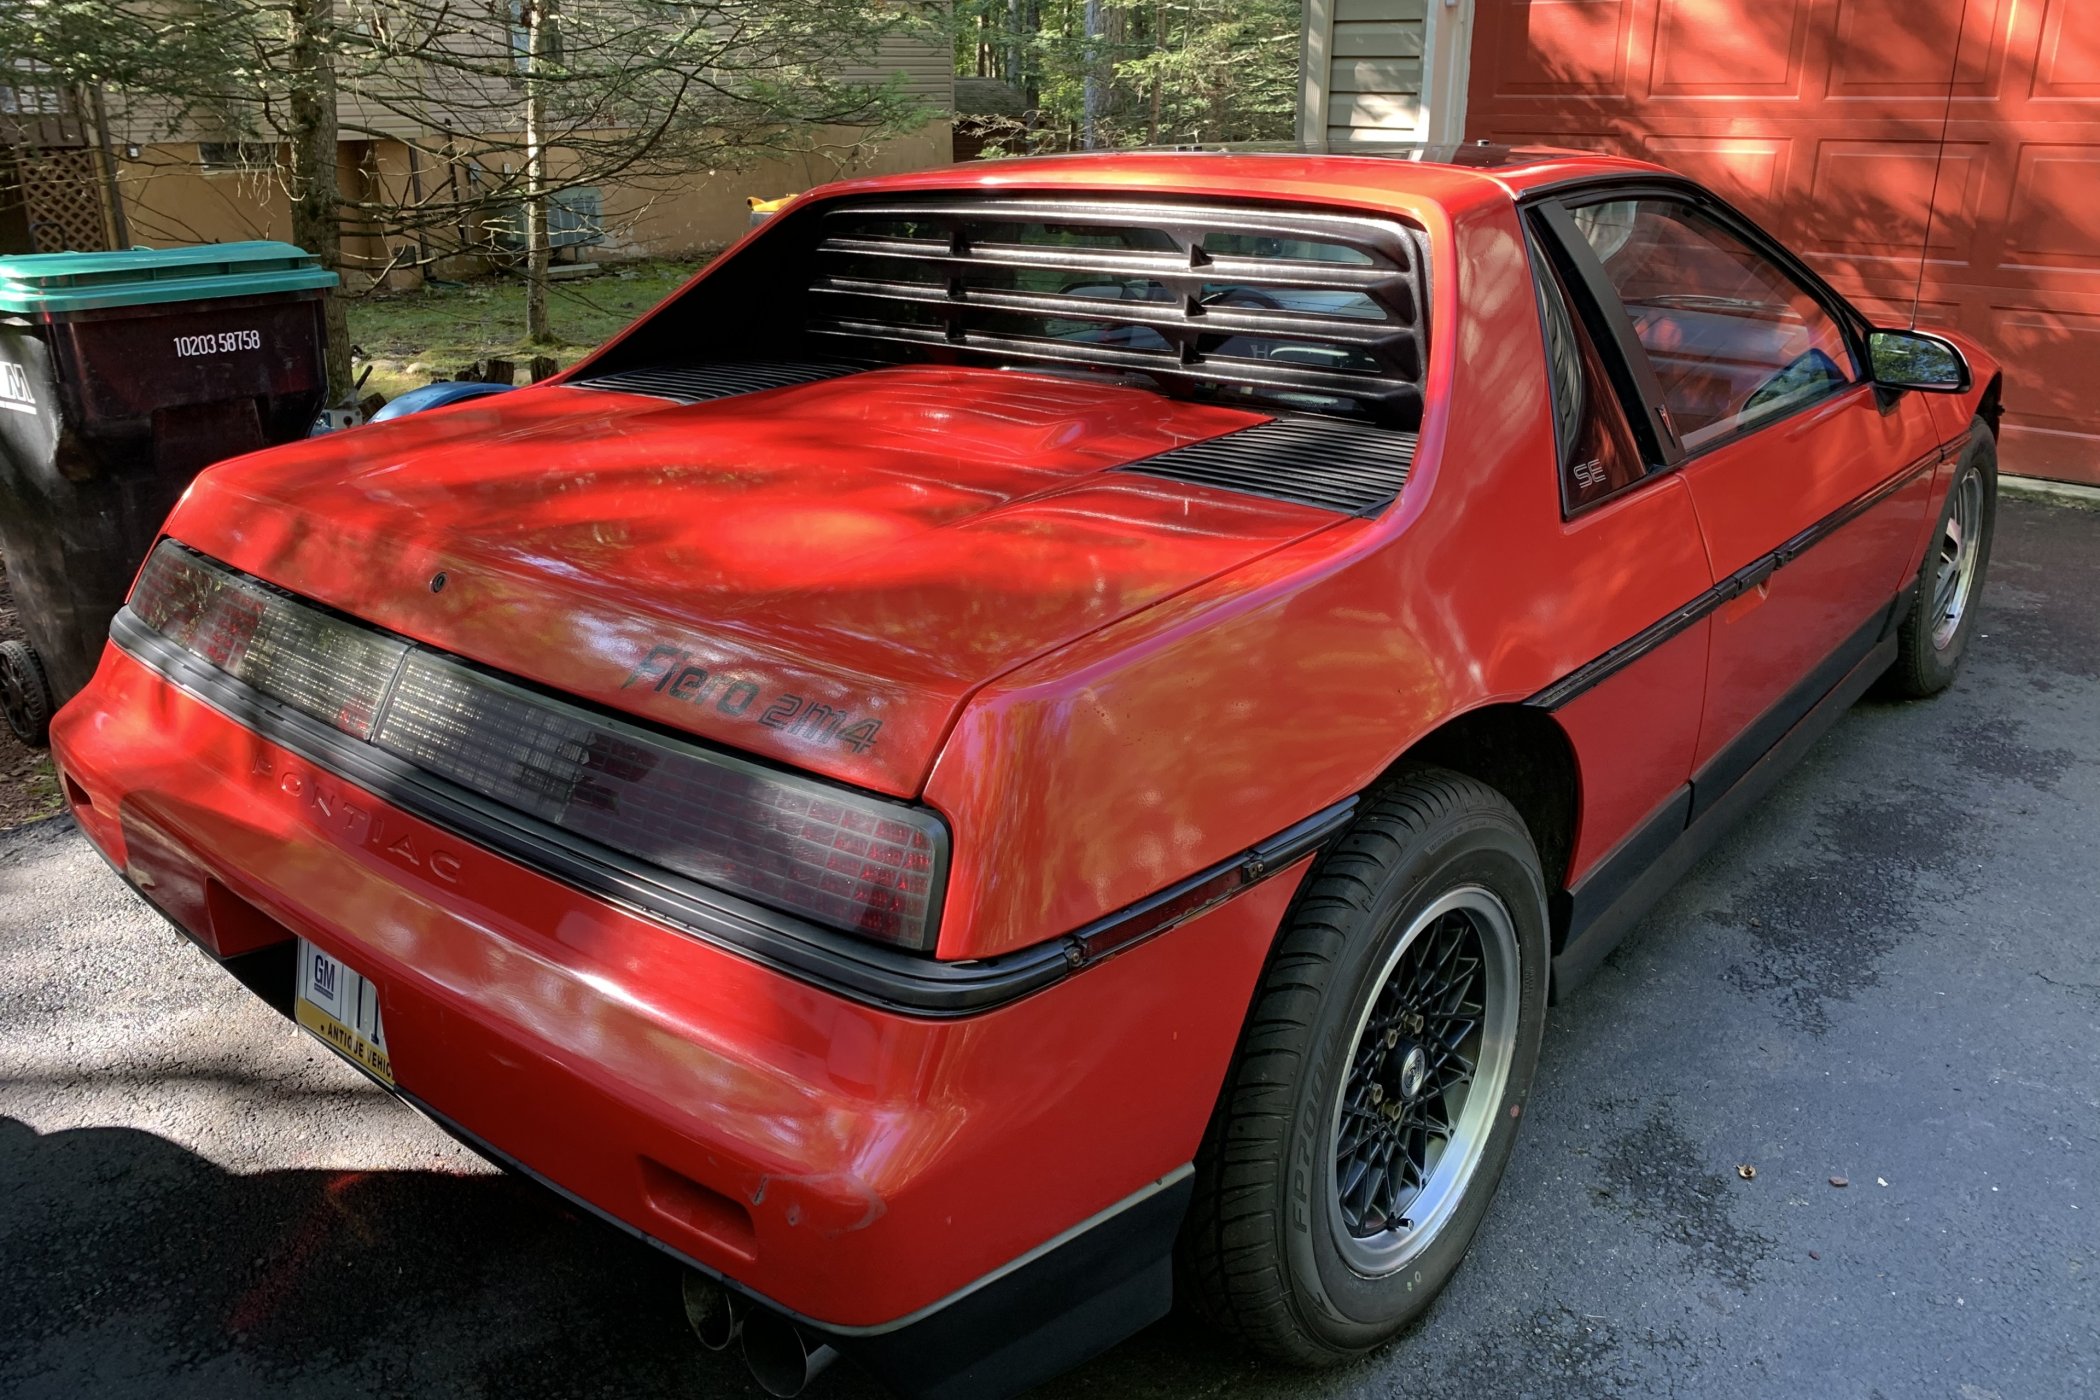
<point>697,383</point>
<point>1326,462</point>
<point>1309,310</point>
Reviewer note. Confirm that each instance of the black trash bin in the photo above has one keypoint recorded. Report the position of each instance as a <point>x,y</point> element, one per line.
<point>121,376</point>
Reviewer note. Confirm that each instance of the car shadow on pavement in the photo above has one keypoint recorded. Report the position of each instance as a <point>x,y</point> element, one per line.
<point>130,1265</point>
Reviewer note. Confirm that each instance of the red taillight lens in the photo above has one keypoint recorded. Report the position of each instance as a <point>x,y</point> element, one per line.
<point>289,650</point>
<point>836,857</point>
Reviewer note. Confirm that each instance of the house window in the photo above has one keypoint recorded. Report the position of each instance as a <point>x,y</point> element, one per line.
<point>230,157</point>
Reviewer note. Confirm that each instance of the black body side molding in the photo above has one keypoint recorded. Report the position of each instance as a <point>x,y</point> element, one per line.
<point>1592,916</point>
<point>1607,902</point>
<point>1594,673</point>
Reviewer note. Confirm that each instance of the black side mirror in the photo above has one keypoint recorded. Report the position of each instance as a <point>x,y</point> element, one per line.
<point>1917,360</point>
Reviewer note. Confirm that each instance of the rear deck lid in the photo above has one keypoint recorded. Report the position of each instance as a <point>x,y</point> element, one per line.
<point>818,574</point>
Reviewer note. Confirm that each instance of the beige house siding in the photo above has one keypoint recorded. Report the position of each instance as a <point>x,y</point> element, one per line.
<point>171,198</point>
<point>1362,76</point>
<point>711,212</point>
<point>928,69</point>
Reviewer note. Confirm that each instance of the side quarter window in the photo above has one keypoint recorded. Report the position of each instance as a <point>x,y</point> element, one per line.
<point>1598,455</point>
<point>1733,339</point>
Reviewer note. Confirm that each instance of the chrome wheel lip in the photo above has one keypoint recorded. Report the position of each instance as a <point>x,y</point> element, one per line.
<point>1954,576</point>
<point>1380,1255</point>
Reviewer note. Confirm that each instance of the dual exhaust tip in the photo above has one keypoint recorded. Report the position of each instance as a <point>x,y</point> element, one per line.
<point>781,1357</point>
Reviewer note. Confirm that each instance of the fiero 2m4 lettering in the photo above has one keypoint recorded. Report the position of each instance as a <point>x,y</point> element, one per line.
<point>671,671</point>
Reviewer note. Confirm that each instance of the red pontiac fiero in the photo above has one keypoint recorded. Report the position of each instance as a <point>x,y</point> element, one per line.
<point>1045,725</point>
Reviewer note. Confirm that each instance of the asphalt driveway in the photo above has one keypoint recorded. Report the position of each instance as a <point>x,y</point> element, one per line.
<point>1890,975</point>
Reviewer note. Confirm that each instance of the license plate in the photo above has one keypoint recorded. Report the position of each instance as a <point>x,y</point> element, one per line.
<point>341,1006</point>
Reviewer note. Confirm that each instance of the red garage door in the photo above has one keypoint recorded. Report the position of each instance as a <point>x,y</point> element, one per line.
<point>1822,119</point>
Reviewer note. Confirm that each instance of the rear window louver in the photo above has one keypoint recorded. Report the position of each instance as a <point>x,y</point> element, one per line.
<point>697,383</point>
<point>1331,463</point>
<point>1296,309</point>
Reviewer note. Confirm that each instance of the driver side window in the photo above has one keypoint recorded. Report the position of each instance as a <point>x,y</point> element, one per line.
<point>1733,339</point>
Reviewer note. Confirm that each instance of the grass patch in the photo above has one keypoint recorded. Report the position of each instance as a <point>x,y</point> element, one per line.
<point>29,790</point>
<point>410,338</point>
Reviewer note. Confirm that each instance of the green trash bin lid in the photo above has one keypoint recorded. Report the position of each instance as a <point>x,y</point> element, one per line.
<point>40,283</point>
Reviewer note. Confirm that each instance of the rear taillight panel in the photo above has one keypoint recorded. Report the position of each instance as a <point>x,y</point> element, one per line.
<point>842,859</point>
<point>313,661</point>
<point>845,859</point>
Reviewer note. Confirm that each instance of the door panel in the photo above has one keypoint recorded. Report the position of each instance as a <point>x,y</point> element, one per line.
<point>1823,120</point>
<point>1635,733</point>
<point>1800,472</point>
<point>1635,729</point>
<point>1759,492</point>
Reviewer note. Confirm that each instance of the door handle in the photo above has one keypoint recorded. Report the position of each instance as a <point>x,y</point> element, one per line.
<point>1744,603</point>
<point>1747,587</point>
<point>1752,576</point>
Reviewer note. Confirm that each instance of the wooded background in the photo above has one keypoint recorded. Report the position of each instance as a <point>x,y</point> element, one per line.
<point>1109,73</point>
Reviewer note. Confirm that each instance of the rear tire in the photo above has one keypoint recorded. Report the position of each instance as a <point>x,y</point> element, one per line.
<point>25,695</point>
<point>1406,995</point>
<point>1935,634</point>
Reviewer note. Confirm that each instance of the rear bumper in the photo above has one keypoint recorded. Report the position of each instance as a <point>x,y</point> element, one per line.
<point>862,1169</point>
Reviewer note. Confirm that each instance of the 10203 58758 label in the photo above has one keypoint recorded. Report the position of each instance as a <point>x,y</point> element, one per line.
<point>189,347</point>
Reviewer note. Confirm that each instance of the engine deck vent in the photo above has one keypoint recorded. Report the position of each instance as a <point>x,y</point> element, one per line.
<point>1331,463</point>
<point>700,382</point>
